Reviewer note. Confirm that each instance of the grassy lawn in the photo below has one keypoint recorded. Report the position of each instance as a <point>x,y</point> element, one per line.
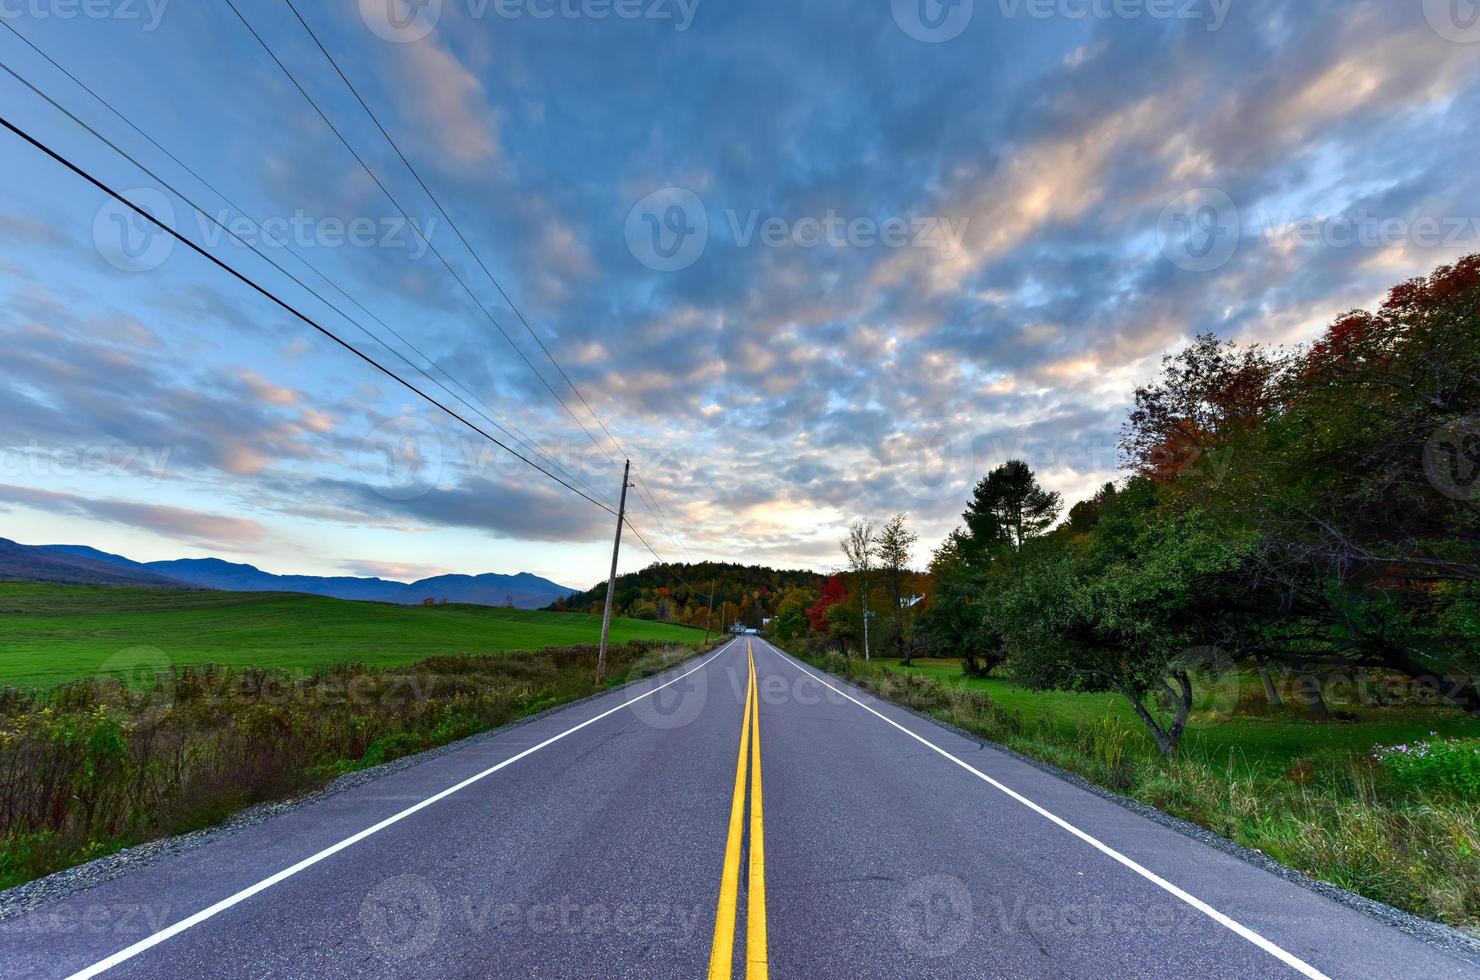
<point>1272,743</point>
<point>1306,793</point>
<point>55,633</point>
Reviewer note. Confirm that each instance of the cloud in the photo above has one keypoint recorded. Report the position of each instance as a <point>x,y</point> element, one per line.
<point>196,527</point>
<point>768,393</point>
<point>395,571</point>
<point>104,382</point>
<point>446,101</point>
<point>258,387</point>
<point>527,512</point>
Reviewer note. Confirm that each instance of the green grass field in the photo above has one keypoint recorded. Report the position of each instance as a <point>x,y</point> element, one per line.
<point>50,634</point>
<point>1272,742</point>
<point>1306,793</point>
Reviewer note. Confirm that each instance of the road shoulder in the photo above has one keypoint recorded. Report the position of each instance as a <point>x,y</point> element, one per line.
<point>1441,937</point>
<point>43,893</point>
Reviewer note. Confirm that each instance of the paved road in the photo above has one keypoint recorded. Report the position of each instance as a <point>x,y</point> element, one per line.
<point>610,838</point>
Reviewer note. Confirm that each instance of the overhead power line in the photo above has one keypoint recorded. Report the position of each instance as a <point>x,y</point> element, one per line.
<point>284,304</point>
<point>451,223</point>
<point>502,423</point>
<point>416,230</point>
<point>645,495</point>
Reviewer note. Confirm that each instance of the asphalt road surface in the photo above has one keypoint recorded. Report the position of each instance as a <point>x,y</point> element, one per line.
<point>619,838</point>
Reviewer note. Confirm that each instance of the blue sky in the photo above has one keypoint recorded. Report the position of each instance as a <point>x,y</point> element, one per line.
<point>806,260</point>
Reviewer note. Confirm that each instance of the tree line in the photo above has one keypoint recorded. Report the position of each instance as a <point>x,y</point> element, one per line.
<point>747,595</point>
<point>1302,512</point>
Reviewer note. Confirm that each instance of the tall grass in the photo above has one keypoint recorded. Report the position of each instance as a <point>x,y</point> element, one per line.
<point>93,766</point>
<point>1336,815</point>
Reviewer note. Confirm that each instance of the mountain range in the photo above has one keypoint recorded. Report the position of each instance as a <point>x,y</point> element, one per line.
<point>82,565</point>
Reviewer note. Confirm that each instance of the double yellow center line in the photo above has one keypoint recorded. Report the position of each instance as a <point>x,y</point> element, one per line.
<point>722,952</point>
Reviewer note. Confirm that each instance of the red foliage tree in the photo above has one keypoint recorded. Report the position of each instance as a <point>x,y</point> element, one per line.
<point>833,593</point>
<point>1207,393</point>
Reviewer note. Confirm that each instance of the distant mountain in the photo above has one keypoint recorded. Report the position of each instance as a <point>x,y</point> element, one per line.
<point>30,563</point>
<point>523,591</point>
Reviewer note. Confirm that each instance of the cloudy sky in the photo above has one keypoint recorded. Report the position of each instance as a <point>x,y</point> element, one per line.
<point>805,260</point>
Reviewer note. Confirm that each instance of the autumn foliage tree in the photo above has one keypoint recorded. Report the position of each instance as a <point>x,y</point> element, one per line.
<point>833,593</point>
<point>1207,392</point>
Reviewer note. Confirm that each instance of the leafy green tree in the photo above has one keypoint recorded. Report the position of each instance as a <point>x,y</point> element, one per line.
<point>842,627</point>
<point>790,621</point>
<point>860,546</point>
<point>1135,611</point>
<point>1008,508</point>
<point>1355,484</point>
<point>1084,515</point>
<point>896,544</point>
<point>955,626</point>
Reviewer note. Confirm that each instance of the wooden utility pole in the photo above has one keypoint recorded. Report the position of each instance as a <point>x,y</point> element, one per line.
<point>611,582</point>
<point>709,619</point>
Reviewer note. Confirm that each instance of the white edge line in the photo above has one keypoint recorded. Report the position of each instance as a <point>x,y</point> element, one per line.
<point>170,931</point>
<point>1289,959</point>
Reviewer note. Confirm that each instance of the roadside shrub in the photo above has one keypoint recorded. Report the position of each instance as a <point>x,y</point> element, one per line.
<point>92,766</point>
<point>1106,740</point>
<point>1445,764</point>
<point>1330,815</point>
